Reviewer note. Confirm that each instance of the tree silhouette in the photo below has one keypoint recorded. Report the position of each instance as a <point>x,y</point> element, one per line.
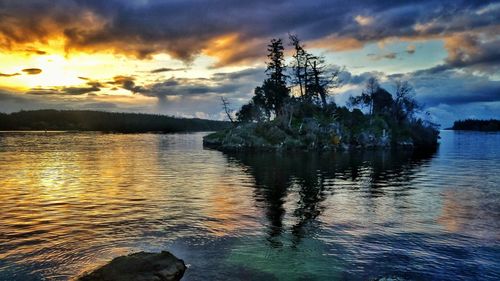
<point>405,104</point>
<point>366,97</point>
<point>227,109</point>
<point>274,88</point>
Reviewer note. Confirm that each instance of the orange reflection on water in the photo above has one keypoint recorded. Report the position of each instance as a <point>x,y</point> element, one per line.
<point>78,200</point>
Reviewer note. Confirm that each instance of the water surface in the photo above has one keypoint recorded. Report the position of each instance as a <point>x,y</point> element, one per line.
<point>71,201</point>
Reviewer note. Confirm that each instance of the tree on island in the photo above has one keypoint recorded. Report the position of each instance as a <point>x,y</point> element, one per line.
<point>292,107</point>
<point>269,98</point>
<point>310,73</point>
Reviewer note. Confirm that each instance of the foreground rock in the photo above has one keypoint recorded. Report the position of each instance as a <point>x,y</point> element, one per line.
<point>140,266</point>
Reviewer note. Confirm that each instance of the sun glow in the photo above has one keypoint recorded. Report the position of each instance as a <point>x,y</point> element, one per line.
<point>59,69</point>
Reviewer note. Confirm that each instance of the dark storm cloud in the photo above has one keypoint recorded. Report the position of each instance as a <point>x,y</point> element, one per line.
<point>233,31</point>
<point>451,88</point>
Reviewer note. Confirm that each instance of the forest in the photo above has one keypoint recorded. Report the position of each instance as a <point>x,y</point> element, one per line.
<point>82,120</point>
<point>491,125</point>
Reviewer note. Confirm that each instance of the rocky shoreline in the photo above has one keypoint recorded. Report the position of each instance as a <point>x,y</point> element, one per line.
<point>309,135</point>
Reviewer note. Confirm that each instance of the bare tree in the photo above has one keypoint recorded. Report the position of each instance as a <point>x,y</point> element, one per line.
<point>405,104</point>
<point>227,108</point>
<point>299,64</point>
<point>324,78</point>
<point>371,87</point>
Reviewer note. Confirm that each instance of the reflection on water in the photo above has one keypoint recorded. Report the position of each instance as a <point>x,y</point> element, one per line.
<point>71,201</point>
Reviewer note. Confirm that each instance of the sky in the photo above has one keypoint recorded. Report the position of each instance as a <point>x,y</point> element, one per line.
<point>179,57</point>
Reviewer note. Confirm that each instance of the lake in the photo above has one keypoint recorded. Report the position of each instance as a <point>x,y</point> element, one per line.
<point>72,201</point>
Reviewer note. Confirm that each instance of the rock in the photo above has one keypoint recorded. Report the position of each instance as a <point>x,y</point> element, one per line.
<point>333,128</point>
<point>272,134</point>
<point>344,147</point>
<point>405,143</point>
<point>311,134</point>
<point>140,266</point>
<point>309,126</point>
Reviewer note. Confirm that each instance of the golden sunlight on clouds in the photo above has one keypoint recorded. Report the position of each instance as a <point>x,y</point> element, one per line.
<point>57,69</point>
<point>23,71</point>
<point>232,49</point>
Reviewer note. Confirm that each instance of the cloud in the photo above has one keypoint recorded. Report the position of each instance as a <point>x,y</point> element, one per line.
<point>410,49</point>
<point>467,92</point>
<point>166,69</point>
<point>446,114</point>
<point>67,91</point>
<point>74,91</point>
<point>451,87</point>
<point>32,71</point>
<point>35,51</point>
<point>127,83</point>
<point>100,106</point>
<point>12,101</point>
<point>471,50</point>
<point>42,92</point>
<point>185,29</point>
<point>363,20</point>
<point>450,94</point>
<point>197,94</point>
<point>9,75</point>
<point>375,57</point>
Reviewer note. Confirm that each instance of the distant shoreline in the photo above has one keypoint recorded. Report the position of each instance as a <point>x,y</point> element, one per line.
<point>491,125</point>
<point>99,132</point>
<point>100,121</point>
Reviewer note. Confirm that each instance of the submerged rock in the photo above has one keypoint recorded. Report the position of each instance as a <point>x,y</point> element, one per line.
<point>140,266</point>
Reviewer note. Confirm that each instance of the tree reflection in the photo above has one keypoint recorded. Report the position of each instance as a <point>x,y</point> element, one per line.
<point>311,178</point>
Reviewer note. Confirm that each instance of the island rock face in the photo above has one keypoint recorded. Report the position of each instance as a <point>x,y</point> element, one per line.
<point>140,266</point>
<point>308,135</point>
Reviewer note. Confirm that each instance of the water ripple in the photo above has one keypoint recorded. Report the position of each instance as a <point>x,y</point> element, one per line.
<point>72,201</point>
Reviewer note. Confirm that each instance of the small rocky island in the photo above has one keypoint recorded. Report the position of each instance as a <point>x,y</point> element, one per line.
<point>140,266</point>
<point>293,110</point>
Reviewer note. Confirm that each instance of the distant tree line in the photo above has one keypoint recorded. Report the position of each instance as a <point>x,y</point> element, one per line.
<point>491,125</point>
<point>82,120</point>
<point>302,89</point>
